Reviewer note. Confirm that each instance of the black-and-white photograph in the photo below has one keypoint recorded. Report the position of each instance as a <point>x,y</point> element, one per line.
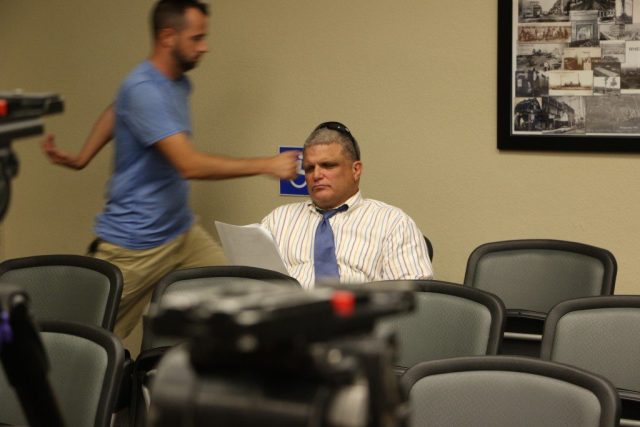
<point>544,33</point>
<point>613,50</point>
<point>527,114</point>
<point>619,31</point>
<point>563,114</point>
<point>604,68</point>
<point>563,83</point>
<point>558,10</point>
<point>531,83</point>
<point>613,114</point>
<point>584,28</point>
<point>541,11</point>
<point>539,56</point>
<point>630,79</point>
<point>603,86</point>
<point>548,114</point>
<point>579,58</point>
<point>630,69</point>
<point>605,9</point>
<point>624,11</point>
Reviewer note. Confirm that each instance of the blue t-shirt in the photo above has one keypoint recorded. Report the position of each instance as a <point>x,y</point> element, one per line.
<point>147,200</point>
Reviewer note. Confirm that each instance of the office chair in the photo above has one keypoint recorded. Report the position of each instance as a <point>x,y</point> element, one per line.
<point>154,346</point>
<point>531,276</point>
<point>429,248</point>
<point>601,335</point>
<point>86,365</point>
<point>70,288</point>
<point>490,391</point>
<point>204,277</point>
<point>450,320</point>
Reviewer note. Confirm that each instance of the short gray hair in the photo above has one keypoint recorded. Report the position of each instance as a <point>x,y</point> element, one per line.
<point>325,136</point>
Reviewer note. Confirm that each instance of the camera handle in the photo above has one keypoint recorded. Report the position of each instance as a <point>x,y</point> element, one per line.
<point>25,361</point>
<point>387,404</point>
<point>8,170</point>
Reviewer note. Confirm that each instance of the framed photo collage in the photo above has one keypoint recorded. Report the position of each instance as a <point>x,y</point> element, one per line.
<point>569,75</point>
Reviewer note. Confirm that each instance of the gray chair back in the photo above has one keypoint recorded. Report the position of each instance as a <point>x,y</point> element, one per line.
<point>154,346</point>
<point>449,320</point>
<point>86,366</point>
<point>201,278</point>
<point>601,335</point>
<point>535,275</point>
<point>531,276</point>
<point>71,288</point>
<point>490,391</point>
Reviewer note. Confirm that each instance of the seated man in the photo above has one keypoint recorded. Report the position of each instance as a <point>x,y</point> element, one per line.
<point>339,235</point>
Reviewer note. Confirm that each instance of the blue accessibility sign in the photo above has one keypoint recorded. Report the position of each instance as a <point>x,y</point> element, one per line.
<point>298,185</point>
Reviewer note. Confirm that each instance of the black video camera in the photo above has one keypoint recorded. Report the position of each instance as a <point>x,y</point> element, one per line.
<point>20,117</point>
<point>268,355</point>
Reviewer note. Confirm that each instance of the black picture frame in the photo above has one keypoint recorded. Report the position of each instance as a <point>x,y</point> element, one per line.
<point>537,138</point>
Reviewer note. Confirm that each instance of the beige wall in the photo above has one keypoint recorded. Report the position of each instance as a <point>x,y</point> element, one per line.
<point>414,79</point>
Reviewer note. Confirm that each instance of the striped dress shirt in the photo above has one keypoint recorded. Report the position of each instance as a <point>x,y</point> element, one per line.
<point>374,241</point>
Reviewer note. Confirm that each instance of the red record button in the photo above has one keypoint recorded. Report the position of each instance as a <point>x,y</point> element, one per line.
<point>343,303</point>
<point>4,107</point>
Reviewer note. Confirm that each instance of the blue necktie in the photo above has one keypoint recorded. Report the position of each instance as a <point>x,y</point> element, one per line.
<point>324,249</point>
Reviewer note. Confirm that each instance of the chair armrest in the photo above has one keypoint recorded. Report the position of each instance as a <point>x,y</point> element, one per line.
<point>524,325</point>
<point>630,408</point>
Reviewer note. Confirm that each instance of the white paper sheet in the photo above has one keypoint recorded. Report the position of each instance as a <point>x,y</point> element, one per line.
<point>251,245</point>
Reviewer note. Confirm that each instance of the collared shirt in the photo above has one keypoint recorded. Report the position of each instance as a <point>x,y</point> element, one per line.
<point>374,241</point>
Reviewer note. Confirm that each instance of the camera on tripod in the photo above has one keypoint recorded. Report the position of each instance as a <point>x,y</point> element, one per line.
<point>263,354</point>
<point>20,117</point>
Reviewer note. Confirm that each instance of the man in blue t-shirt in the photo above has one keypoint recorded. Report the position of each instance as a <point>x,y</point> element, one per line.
<point>147,228</point>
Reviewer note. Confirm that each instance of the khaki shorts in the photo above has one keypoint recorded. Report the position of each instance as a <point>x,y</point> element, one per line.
<point>142,269</point>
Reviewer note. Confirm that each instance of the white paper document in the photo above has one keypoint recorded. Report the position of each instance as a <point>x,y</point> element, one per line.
<point>251,245</point>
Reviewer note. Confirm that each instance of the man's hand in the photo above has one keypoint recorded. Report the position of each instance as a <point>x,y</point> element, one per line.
<point>284,165</point>
<point>58,157</point>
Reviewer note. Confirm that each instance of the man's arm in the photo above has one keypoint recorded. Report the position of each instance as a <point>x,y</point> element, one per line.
<point>406,255</point>
<point>193,164</point>
<point>100,135</point>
